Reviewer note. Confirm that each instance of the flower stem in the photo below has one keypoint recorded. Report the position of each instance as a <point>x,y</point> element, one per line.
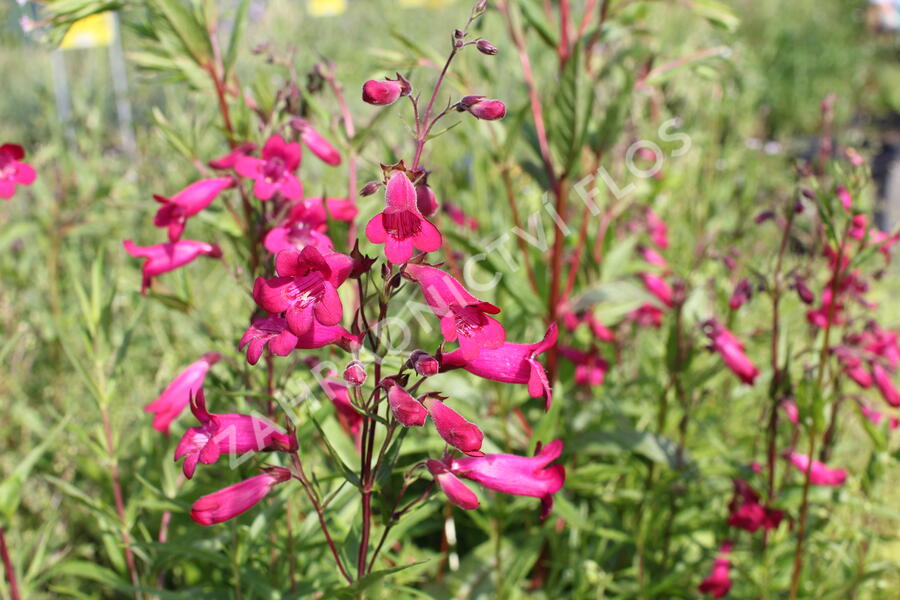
<point>10,572</point>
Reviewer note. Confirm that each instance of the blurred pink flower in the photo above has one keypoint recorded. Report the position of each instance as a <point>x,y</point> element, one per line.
<point>457,215</point>
<point>348,417</point>
<point>652,256</point>
<point>741,294</point>
<point>731,350</point>
<point>176,210</point>
<point>657,286</point>
<point>426,201</point>
<point>844,196</point>
<point>317,144</point>
<point>227,434</point>
<point>819,474</point>
<point>457,491</point>
<point>267,330</point>
<point>178,393</point>
<point>228,161</point>
<point>453,428</point>
<point>883,381</point>
<point>510,363</point>
<point>274,172</point>
<point>13,171</point>
<point>876,417</point>
<point>237,499</point>
<point>401,227</point>
<point>745,511</point>
<point>657,228</point>
<point>463,317</point>
<point>590,368</point>
<point>162,258</point>
<point>718,582</point>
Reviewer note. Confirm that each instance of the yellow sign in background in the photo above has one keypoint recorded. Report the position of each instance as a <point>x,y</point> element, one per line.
<point>90,32</point>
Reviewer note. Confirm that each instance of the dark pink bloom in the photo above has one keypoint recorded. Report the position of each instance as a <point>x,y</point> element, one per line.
<point>803,291</point>
<point>382,92</point>
<point>306,288</point>
<point>652,256</point>
<point>844,196</point>
<point>745,511</point>
<point>790,410</point>
<point>646,315</point>
<point>176,210</point>
<point>853,366</point>
<point>268,330</point>
<point>590,368</point>
<point>406,409</point>
<point>518,475</point>
<point>731,350</point>
<point>13,172</point>
<point>177,394</point>
<point>306,224</point>
<point>227,434</point>
<point>483,108</point>
<point>229,160</point>
<point>658,287</point>
<point>718,582</point>
<point>317,144</point>
<point>426,201</point>
<point>274,172</point>
<point>819,474</point>
<point>163,258</point>
<point>882,343</point>
<point>459,217</point>
<point>348,417</point>
<point>456,431</point>
<point>657,228</point>
<point>319,336</point>
<point>876,417</point>
<point>237,499</point>
<point>457,492</point>
<point>883,381</point>
<point>423,363</point>
<point>742,292</point>
<point>463,317</point>
<point>510,363</point>
<point>401,227</point>
<point>355,373</point>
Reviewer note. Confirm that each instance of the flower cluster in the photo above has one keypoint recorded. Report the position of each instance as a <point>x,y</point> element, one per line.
<point>13,171</point>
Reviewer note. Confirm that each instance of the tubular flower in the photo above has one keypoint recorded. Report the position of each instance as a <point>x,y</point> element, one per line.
<point>228,161</point>
<point>482,108</point>
<point>453,428</point>
<point>401,227</point>
<point>657,229</point>
<point>518,475</point>
<point>382,92</point>
<point>13,172</point>
<point>742,292</point>
<point>237,499</point>
<point>274,172</point>
<point>162,258</point>
<point>718,582</point>
<point>178,394</point>
<point>819,473</point>
<point>658,287</point>
<point>456,491</point>
<point>319,336</point>
<point>306,288</point>
<point>853,366</point>
<point>510,363</point>
<point>227,434</point>
<point>883,381</point>
<point>317,144</point>
<point>176,210</point>
<point>268,330</point>
<point>306,224</point>
<point>426,201</point>
<point>731,350</point>
<point>463,317</point>
<point>652,257</point>
<point>590,369</point>
<point>875,417</point>
<point>405,408</point>
<point>747,513</point>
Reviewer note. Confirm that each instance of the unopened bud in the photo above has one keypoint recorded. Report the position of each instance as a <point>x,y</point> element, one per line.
<point>426,200</point>
<point>382,92</point>
<point>370,188</point>
<point>355,373</point>
<point>485,47</point>
<point>405,408</point>
<point>488,110</point>
<point>806,295</point>
<point>423,363</point>
<point>459,34</point>
<point>764,216</point>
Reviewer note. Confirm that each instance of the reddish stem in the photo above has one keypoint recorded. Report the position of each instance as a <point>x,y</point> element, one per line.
<point>10,572</point>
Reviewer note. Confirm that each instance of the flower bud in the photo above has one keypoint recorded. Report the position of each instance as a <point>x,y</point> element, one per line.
<point>382,92</point>
<point>370,188</point>
<point>459,34</point>
<point>488,110</point>
<point>423,363</point>
<point>426,200</point>
<point>355,373</point>
<point>806,295</point>
<point>485,47</point>
<point>456,431</point>
<point>406,409</point>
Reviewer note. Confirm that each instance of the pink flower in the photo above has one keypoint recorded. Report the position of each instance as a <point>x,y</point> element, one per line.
<point>657,228</point>
<point>348,417</point>
<point>382,92</point>
<point>405,408</point>
<point>888,391</point>
<point>482,108</point>
<point>453,428</point>
<point>13,172</point>
<point>459,217</point>
<point>306,223</point>
<point>268,330</point>
<point>819,474</point>
<point>882,343</point>
<point>646,315</point>
<point>853,366</point>
<point>790,410</point>
<point>237,499</point>
<point>590,368</point>
<point>731,350</point>
<point>652,256</point>
<point>319,336</point>
<point>718,583</point>
<point>510,363</point>
<point>355,373</point>
<point>306,288</point>
<point>747,513</point>
<point>317,144</point>
<point>463,317</point>
<point>228,161</point>
<point>176,210</point>
<point>742,292</point>
<point>658,287</point>
<point>875,417</point>
<point>457,492</point>
<point>274,172</point>
<point>227,434</point>
<point>423,363</point>
<point>401,227</point>
<point>178,394</point>
<point>844,196</point>
<point>518,475</point>
<point>163,258</point>
<point>426,201</point>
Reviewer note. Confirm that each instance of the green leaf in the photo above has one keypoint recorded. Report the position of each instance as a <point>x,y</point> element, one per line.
<point>717,13</point>
<point>653,447</point>
<point>536,18</point>
<point>355,589</point>
<point>237,34</point>
<point>12,486</point>
<point>190,31</point>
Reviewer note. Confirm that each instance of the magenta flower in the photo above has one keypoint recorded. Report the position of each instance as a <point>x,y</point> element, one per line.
<point>658,287</point>
<point>853,366</point>
<point>844,196</point>
<point>742,292</point>
<point>355,373</point>
<point>401,227</point>
<point>457,215</point>
<point>348,417</point>
<point>274,172</point>
<point>882,343</point>
<point>819,474</point>
<point>228,161</point>
<point>875,417</point>
<point>426,201</point>
<point>463,317</point>
<point>510,363</point>
<point>178,394</point>
<point>456,491</point>
<point>268,330</point>
<point>747,513</point>
<point>483,108</point>
<point>453,428</point>
<point>657,228</point>
<point>306,288</point>
<point>646,315</point>
<point>382,92</point>
<point>883,381</point>
<point>176,210</point>
<point>319,336</point>
<point>13,172</point>
<point>731,350</point>
<point>163,258</point>
<point>423,363</point>
<point>518,475</point>
<point>227,434</point>
<point>317,144</point>
<point>405,408</point>
<point>652,256</point>
<point>590,368</point>
<point>718,582</point>
<point>237,499</point>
